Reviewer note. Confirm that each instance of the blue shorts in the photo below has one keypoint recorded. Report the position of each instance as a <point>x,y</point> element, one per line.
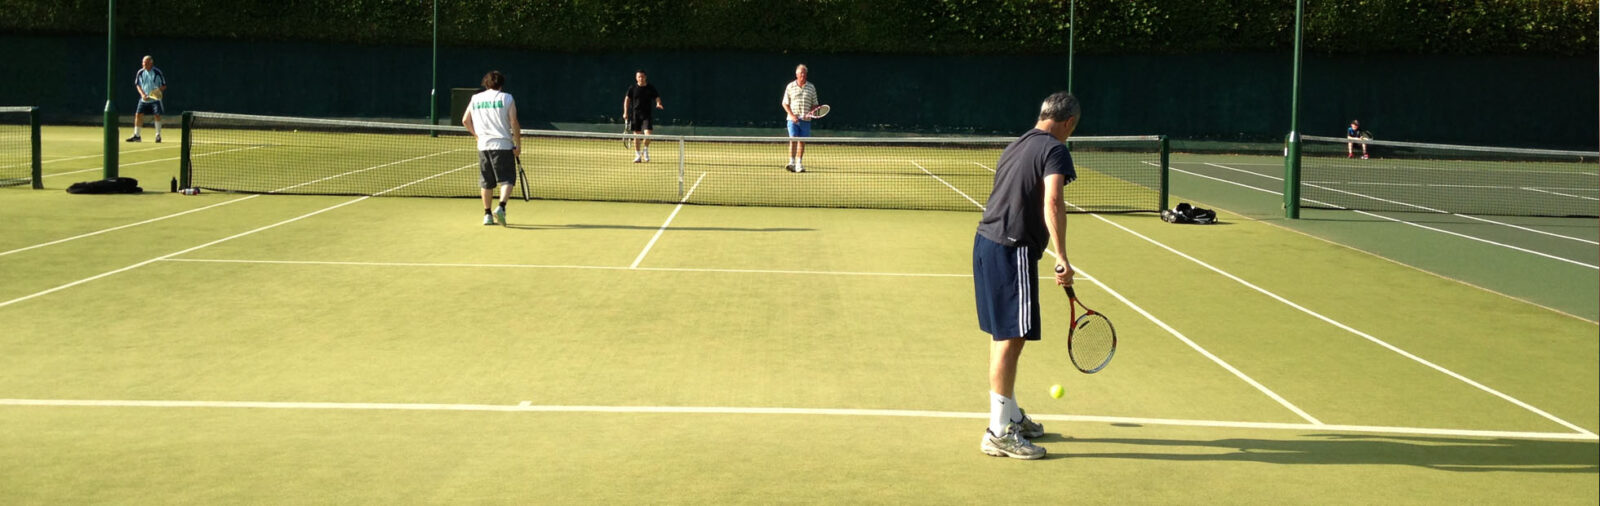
<point>799,128</point>
<point>151,107</point>
<point>1005,281</point>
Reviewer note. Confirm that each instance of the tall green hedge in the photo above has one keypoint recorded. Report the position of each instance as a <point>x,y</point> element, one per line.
<point>1563,27</point>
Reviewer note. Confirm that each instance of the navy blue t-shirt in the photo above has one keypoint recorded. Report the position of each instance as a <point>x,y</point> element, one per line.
<point>1015,213</point>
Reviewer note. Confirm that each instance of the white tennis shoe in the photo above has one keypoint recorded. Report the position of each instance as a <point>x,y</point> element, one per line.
<point>1011,444</point>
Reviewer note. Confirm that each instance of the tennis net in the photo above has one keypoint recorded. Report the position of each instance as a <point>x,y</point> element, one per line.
<point>266,154</point>
<point>1445,178</point>
<point>19,146</point>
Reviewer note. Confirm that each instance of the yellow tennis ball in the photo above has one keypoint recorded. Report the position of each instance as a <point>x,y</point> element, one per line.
<point>1056,391</point>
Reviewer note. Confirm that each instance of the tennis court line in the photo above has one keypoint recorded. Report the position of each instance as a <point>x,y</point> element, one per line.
<point>151,161</point>
<point>1397,220</point>
<point>1424,208</point>
<point>952,187</point>
<point>529,407</point>
<point>96,155</point>
<point>663,228</point>
<point>1355,331</point>
<point>1532,189</point>
<point>1185,339</point>
<point>170,255</point>
<point>225,239</point>
<point>120,227</point>
<point>574,267</point>
<point>374,167</point>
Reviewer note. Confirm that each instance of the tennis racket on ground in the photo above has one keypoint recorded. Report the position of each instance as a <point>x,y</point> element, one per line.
<point>1092,341</point>
<point>818,111</point>
<point>523,176</point>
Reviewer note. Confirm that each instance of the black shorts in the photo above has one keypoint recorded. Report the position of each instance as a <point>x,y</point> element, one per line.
<point>496,166</point>
<point>639,122</point>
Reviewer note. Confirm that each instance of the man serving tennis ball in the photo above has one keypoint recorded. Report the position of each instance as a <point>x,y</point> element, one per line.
<point>1025,213</point>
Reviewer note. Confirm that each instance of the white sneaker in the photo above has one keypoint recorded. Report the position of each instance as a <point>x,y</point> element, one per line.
<point>798,168</point>
<point>636,156</point>
<point>1030,428</point>
<point>646,155</point>
<point>488,219</point>
<point>1011,444</point>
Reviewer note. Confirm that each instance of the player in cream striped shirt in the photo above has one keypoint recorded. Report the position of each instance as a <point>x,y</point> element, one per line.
<point>798,99</point>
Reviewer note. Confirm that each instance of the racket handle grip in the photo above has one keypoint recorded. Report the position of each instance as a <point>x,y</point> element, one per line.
<point>1060,269</point>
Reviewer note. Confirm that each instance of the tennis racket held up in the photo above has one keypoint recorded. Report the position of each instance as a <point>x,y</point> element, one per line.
<point>818,112</point>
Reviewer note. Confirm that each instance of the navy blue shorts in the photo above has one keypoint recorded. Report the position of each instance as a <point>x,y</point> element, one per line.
<point>1005,281</point>
<point>151,107</point>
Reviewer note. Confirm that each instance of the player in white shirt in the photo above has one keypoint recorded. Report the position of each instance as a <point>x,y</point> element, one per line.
<point>491,118</point>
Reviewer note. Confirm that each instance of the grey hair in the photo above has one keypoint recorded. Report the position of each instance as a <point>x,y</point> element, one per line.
<point>1059,106</point>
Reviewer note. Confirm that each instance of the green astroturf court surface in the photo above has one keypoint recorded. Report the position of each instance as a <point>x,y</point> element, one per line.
<point>243,349</point>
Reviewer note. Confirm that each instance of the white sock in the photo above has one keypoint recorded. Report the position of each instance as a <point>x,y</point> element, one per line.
<point>1002,412</point>
<point>136,130</point>
<point>158,127</point>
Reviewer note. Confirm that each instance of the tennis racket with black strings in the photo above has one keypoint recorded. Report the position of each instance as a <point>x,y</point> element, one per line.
<point>522,175</point>
<point>1091,341</point>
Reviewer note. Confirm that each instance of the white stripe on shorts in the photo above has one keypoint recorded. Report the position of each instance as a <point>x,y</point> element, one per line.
<point>1024,309</point>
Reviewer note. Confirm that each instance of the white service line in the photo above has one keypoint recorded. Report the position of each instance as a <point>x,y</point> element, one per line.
<point>1532,189</point>
<point>1352,330</point>
<point>1423,208</point>
<point>120,227</point>
<point>529,407</point>
<point>176,253</point>
<point>1185,339</point>
<point>952,187</point>
<point>576,267</point>
<point>154,161</point>
<point>232,237</point>
<point>663,228</point>
<point>1404,222</point>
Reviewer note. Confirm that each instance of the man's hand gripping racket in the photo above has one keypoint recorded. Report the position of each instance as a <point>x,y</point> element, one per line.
<point>1091,341</point>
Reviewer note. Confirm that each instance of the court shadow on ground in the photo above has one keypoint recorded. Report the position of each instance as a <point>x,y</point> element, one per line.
<point>1441,453</point>
<point>588,226</point>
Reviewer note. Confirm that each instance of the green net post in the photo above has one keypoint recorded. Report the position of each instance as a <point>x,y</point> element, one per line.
<point>433,93</point>
<point>38,156</point>
<point>1291,153</point>
<point>1291,177</point>
<point>1166,156</point>
<point>186,143</point>
<point>109,167</point>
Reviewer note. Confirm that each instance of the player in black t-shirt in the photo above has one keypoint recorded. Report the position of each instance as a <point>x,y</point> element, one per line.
<point>636,110</point>
<point>1025,214</point>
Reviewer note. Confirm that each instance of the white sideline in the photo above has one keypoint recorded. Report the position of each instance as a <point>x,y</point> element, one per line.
<point>1185,339</point>
<point>235,236</point>
<point>1423,208</point>
<point>1397,220</point>
<point>528,407</point>
<point>1352,330</point>
<point>120,227</point>
<point>663,228</point>
<point>154,161</point>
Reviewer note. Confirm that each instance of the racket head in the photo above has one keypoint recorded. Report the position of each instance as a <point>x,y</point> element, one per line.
<point>1091,342</point>
<point>522,176</point>
<point>820,111</point>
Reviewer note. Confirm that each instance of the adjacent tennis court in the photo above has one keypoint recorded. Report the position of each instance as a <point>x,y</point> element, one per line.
<point>228,348</point>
